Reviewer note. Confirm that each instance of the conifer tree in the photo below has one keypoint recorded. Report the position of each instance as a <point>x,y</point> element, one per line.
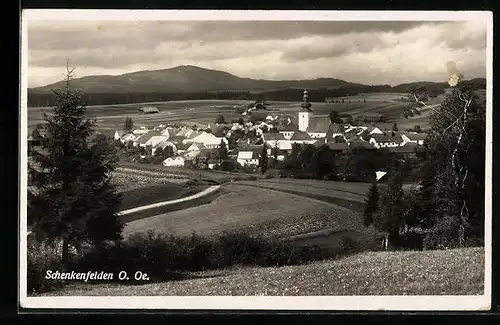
<point>71,200</point>
<point>371,204</point>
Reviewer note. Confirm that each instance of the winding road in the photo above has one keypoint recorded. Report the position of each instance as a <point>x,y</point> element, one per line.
<point>206,191</point>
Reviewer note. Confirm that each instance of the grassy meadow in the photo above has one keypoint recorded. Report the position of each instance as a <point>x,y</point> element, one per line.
<point>440,272</point>
<point>204,112</point>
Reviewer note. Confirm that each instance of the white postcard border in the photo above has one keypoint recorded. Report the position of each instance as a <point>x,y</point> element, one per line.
<point>395,303</point>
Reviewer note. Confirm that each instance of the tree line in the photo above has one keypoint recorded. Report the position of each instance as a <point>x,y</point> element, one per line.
<point>38,99</point>
<point>447,210</point>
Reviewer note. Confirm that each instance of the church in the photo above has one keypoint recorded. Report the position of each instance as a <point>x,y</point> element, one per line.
<point>317,127</point>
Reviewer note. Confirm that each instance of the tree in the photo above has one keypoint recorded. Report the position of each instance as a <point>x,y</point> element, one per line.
<point>222,151</point>
<point>395,127</point>
<point>73,201</point>
<point>241,121</point>
<point>371,204</point>
<point>128,126</point>
<point>455,152</point>
<point>388,215</point>
<point>334,117</point>
<point>322,162</point>
<point>417,129</point>
<point>263,159</point>
<point>220,119</point>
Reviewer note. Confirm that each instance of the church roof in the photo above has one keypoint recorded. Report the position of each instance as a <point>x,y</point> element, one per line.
<point>300,135</point>
<point>318,124</point>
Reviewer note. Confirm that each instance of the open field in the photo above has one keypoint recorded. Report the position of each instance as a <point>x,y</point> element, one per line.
<point>441,272</point>
<point>246,207</point>
<point>204,112</point>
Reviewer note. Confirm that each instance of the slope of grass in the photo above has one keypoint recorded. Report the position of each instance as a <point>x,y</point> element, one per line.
<point>242,207</point>
<point>445,272</point>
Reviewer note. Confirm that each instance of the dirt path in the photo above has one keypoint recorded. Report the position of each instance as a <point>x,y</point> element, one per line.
<point>207,191</point>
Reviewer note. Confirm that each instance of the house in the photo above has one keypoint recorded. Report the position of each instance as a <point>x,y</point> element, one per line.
<point>302,137</point>
<point>386,140</point>
<point>196,147</point>
<point>155,140</point>
<point>373,130</point>
<point>379,175</point>
<point>414,137</point>
<point>128,137</point>
<point>318,126</point>
<point>140,131</point>
<point>249,156</point>
<point>212,163</point>
<point>189,137</point>
<point>169,132</point>
<point>141,141</point>
<point>209,140</point>
<point>273,140</point>
<point>163,145</point>
<point>118,135</point>
<point>190,155</point>
<point>174,162</point>
<point>149,110</point>
<point>288,130</point>
<point>334,130</point>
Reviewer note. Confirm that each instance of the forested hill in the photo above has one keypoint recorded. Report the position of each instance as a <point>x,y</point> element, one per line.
<point>191,83</point>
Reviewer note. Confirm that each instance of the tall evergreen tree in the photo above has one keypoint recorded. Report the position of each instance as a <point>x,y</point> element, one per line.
<point>72,200</point>
<point>371,204</point>
<point>128,126</point>
<point>264,159</point>
<point>222,151</point>
<point>395,127</point>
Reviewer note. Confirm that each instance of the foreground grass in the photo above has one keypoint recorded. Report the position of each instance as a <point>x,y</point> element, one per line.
<point>445,272</point>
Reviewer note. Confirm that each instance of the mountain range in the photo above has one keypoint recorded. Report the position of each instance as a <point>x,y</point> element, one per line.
<point>187,79</point>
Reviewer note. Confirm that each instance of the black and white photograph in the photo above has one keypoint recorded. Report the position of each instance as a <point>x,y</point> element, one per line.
<point>282,160</point>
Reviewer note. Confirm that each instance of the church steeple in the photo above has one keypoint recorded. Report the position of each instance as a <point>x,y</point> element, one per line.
<point>304,113</point>
<point>306,105</point>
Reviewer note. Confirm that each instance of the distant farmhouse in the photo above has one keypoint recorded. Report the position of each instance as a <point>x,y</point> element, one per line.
<point>149,110</point>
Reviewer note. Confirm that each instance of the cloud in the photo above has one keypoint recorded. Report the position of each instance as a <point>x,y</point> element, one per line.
<point>365,52</point>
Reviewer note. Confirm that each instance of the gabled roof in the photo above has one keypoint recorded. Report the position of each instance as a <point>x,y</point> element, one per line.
<point>165,144</point>
<point>120,132</point>
<point>414,136</point>
<point>381,138</point>
<point>318,124</point>
<point>300,136</point>
<point>146,136</point>
<point>243,154</point>
<point>273,137</point>
<point>194,134</point>
<point>334,129</point>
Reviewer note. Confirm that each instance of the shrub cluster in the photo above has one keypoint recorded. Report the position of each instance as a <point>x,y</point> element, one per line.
<point>163,256</point>
<point>40,258</point>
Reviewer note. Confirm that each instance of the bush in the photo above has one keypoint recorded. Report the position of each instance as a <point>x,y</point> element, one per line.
<point>443,235</point>
<point>42,257</point>
<point>162,257</point>
<point>252,178</point>
<point>348,245</point>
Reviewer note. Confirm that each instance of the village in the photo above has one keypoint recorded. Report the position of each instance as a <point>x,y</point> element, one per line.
<point>244,141</point>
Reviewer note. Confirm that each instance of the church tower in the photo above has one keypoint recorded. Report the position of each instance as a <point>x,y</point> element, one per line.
<point>304,113</point>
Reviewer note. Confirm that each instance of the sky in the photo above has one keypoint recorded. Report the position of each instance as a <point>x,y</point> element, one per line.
<point>367,52</point>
